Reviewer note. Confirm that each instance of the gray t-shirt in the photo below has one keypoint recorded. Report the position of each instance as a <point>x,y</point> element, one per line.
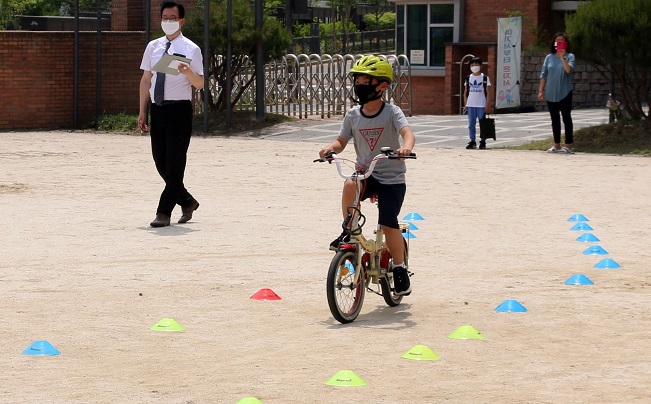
<point>371,133</point>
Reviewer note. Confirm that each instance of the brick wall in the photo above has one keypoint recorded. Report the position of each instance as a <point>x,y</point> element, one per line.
<point>119,16</point>
<point>129,15</point>
<point>481,18</point>
<point>37,77</point>
<point>427,95</point>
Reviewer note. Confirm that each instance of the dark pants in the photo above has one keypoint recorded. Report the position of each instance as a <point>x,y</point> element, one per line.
<point>614,115</point>
<point>171,128</point>
<point>389,200</point>
<point>564,107</point>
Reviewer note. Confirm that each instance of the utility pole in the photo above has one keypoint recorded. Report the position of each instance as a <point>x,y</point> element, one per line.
<point>259,64</point>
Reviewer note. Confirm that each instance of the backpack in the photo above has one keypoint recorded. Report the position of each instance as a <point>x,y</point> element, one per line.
<point>468,85</point>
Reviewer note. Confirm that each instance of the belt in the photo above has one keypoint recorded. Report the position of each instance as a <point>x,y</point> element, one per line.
<point>172,102</point>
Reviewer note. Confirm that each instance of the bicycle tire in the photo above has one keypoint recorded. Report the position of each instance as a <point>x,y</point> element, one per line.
<point>386,282</point>
<point>345,299</point>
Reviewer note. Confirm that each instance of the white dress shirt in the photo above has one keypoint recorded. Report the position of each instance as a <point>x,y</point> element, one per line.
<point>176,87</point>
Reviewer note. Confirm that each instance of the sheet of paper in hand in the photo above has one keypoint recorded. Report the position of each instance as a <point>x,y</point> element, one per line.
<point>169,64</point>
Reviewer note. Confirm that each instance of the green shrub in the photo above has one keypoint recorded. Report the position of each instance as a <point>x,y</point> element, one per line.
<point>383,21</point>
<point>117,123</point>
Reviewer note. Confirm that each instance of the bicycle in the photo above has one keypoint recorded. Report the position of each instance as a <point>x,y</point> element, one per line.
<point>362,263</point>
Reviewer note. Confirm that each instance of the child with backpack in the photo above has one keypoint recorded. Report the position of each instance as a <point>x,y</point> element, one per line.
<point>474,98</point>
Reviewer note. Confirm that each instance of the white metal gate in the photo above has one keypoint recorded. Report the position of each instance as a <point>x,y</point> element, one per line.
<point>316,85</point>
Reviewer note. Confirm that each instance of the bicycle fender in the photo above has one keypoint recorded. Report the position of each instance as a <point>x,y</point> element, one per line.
<point>347,247</point>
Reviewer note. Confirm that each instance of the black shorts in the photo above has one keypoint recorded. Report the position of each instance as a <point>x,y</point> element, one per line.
<point>389,200</point>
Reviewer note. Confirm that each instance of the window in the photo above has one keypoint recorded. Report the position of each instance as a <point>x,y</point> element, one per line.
<point>422,31</point>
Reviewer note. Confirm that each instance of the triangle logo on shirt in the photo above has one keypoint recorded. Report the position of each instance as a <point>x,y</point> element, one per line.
<point>372,136</point>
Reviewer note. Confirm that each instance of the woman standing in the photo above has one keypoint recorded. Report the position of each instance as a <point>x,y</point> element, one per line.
<point>556,89</point>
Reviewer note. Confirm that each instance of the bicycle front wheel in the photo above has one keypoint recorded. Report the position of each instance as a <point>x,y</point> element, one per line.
<point>345,297</point>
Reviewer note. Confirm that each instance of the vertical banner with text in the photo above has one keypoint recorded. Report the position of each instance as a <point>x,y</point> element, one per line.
<point>509,36</point>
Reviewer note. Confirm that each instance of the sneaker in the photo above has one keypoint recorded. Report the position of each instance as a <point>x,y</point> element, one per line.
<point>482,144</point>
<point>565,150</point>
<point>344,237</point>
<point>471,145</point>
<point>401,281</point>
<point>553,149</point>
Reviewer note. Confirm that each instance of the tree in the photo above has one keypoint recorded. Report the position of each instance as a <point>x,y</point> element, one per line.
<point>275,38</point>
<point>380,18</point>
<point>272,4</point>
<point>341,9</point>
<point>9,9</point>
<point>614,36</point>
<point>376,21</point>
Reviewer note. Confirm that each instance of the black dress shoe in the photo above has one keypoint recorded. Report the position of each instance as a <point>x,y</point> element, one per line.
<point>161,220</point>
<point>188,210</point>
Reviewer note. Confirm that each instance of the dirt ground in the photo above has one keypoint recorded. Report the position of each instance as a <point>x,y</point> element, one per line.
<point>81,268</point>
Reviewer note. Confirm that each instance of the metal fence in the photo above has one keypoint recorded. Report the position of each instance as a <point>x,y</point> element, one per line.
<point>312,85</point>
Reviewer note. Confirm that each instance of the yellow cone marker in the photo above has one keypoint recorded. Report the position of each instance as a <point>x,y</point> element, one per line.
<point>168,324</point>
<point>346,378</point>
<point>421,353</point>
<point>466,332</point>
<point>249,400</point>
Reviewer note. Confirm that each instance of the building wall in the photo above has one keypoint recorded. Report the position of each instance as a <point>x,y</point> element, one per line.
<point>38,77</point>
<point>480,39</point>
<point>481,18</point>
<point>456,72</point>
<point>427,95</point>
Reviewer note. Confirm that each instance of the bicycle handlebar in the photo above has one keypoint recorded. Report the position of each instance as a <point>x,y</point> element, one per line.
<point>386,153</point>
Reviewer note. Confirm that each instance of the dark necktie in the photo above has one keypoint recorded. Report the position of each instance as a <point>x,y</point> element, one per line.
<point>159,88</point>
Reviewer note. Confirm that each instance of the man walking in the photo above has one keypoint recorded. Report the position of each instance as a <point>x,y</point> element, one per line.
<point>171,111</point>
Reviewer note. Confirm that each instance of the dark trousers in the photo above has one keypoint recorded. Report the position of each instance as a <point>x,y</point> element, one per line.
<point>171,128</point>
<point>564,107</point>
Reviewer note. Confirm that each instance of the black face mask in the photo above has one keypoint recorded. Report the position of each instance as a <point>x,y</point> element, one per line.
<point>366,93</point>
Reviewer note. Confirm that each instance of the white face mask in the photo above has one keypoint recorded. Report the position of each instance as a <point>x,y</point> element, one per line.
<point>475,69</point>
<point>170,27</point>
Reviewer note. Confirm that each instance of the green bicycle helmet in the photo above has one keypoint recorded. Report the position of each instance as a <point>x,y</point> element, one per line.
<point>373,66</point>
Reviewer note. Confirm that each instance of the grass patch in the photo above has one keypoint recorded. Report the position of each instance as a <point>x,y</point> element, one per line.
<point>623,137</point>
<point>116,123</point>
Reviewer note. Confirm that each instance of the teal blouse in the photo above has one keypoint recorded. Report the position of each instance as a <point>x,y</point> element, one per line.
<point>558,82</point>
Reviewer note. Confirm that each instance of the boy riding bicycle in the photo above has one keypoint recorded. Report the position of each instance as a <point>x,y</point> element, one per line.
<point>372,125</point>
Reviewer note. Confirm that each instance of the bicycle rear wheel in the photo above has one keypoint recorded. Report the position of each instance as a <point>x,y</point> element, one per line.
<point>386,282</point>
<point>345,298</point>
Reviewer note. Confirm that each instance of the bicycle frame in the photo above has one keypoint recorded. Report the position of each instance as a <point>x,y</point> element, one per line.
<point>374,247</point>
